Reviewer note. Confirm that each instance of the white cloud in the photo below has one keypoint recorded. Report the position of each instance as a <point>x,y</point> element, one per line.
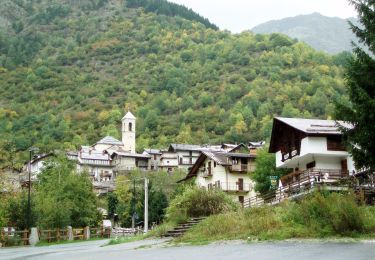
<point>239,15</point>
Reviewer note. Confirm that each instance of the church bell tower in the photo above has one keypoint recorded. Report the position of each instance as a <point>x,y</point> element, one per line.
<point>128,132</point>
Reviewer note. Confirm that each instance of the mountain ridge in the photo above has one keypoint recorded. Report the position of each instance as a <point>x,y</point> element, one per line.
<point>330,34</point>
<point>67,77</point>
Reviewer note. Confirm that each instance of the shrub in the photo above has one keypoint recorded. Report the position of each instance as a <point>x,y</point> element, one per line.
<point>197,202</point>
<point>329,214</point>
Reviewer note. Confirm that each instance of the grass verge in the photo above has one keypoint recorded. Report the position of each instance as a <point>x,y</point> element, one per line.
<point>320,216</point>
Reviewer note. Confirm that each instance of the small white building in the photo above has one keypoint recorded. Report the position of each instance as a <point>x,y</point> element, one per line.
<point>168,161</point>
<point>155,158</point>
<point>310,146</point>
<point>228,171</point>
<point>35,166</point>
<point>124,162</point>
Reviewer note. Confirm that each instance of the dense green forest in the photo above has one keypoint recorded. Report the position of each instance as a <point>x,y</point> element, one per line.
<point>70,69</point>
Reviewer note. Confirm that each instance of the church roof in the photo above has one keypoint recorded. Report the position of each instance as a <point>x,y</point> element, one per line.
<point>128,115</point>
<point>109,140</point>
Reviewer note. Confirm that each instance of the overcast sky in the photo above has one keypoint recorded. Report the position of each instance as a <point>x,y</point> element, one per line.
<point>240,15</point>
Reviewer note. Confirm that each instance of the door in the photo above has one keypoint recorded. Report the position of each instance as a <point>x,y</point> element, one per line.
<point>240,184</point>
<point>241,199</point>
<point>209,168</point>
<point>344,167</point>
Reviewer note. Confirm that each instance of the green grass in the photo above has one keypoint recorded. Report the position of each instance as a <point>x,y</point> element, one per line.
<point>334,216</point>
<point>61,242</point>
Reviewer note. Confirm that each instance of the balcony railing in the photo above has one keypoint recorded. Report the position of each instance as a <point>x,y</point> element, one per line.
<point>296,184</point>
<point>239,168</point>
<point>231,186</point>
<point>313,175</point>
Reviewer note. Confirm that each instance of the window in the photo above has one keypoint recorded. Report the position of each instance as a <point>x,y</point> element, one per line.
<point>334,143</point>
<point>130,127</point>
<point>310,165</point>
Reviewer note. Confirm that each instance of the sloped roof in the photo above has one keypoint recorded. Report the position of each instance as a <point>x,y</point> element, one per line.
<point>131,155</point>
<point>314,126</point>
<point>221,158</point>
<point>93,155</point>
<point>300,128</point>
<point>128,115</point>
<point>186,147</point>
<point>152,151</point>
<point>109,140</point>
<point>257,144</point>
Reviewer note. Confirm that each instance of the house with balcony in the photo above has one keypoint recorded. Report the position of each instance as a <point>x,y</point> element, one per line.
<point>124,162</point>
<point>228,171</point>
<point>186,154</point>
<point>313,151</point>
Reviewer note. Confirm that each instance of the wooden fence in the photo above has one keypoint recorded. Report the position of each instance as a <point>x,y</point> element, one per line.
<point>13,237</point>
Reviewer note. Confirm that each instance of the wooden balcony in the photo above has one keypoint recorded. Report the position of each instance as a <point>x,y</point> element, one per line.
<point>235,187</point>
<point>239,168</point>
<point>313,175</point>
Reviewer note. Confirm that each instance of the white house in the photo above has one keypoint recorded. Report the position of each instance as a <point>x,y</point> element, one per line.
<point>310,147</point>
<point>124,162</point>
<point>35,166</point>
<point>155,158</point>
<point>225,170</point>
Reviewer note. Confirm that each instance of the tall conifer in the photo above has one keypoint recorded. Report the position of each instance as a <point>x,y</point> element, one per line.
<point>360,81</point>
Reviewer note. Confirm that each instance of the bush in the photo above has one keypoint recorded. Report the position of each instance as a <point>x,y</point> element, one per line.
<point>334,213</point>
<point>318,215</point>
<point>197,202</point>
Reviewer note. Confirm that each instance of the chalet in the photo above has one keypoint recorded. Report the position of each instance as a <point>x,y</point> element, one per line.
<point>226,169</point>
<point>312,149</point>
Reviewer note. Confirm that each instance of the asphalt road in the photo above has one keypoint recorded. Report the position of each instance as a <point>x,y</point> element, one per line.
<point>160,249</point>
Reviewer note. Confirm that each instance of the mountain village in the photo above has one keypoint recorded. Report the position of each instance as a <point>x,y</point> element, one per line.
<point>142,129</point>
<point>311,149</point>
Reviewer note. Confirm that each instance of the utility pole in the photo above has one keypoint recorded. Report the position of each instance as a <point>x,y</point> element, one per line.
<point>133,206</point>
<point>28,220</point>
<point>146,207</point>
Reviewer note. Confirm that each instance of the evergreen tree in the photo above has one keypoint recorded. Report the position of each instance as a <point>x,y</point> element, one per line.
<point>360,75</point>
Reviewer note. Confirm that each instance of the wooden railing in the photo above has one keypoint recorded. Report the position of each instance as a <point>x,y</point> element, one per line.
<point>52,235</point>
<point>12,237</point>
<point>239,168</point>
<point>296,184</point>
<point>232,186</point>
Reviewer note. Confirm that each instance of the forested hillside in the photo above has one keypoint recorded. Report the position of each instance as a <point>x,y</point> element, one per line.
<point>330,34</point>
<point>70,69</point>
